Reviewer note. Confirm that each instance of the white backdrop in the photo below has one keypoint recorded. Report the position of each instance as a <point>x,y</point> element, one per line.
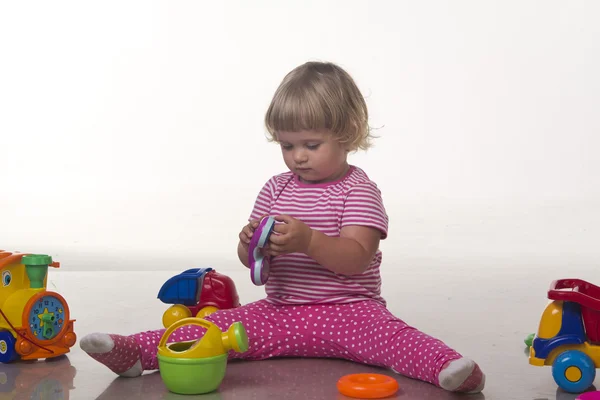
<point>131,133</point>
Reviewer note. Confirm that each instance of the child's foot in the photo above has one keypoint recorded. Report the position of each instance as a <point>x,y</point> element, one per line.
<point>121,354</point>
<point>462,375</point>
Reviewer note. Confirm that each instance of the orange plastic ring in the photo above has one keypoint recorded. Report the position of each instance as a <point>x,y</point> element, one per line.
<point>367,386</point>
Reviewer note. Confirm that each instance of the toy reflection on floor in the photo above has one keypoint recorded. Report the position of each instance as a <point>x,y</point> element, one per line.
<point>197,292</point>
<point>149,387</point>
<point>50,379</point>
<point>568,336</point>
<point>34,322</point>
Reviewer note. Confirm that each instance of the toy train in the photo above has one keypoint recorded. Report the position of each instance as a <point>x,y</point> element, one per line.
<point>34,322</point>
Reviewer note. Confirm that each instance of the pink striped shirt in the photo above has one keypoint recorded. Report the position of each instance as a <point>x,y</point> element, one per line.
<point>353,200</point>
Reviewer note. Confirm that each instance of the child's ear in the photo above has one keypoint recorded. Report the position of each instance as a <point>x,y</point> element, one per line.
<point>345,145</point>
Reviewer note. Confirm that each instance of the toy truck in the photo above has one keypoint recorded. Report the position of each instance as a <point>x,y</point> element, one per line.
<point>197,292</point>
<point>568,337</point>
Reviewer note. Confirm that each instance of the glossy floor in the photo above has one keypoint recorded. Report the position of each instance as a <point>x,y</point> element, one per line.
<point>485,316</point>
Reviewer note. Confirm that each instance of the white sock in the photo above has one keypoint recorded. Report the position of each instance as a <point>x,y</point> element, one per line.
<point>99,345</point>
<point>456,373</point>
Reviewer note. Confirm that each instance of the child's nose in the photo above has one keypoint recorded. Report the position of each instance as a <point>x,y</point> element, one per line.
<point>300,157</point>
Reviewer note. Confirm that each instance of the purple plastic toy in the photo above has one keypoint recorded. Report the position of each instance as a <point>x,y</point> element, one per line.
<point>259,264</point>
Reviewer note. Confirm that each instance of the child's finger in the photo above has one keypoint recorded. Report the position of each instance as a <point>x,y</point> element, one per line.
<point>275,253</point>
<point>276,248</point>
<point>284,218</point>
<point>281,228</point>
<point>277,239</point>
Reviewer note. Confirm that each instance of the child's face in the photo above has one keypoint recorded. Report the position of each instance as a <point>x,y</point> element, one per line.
<point>314,156</point>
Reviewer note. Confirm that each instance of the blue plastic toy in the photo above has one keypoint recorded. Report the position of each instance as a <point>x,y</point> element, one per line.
<point>183,288</point>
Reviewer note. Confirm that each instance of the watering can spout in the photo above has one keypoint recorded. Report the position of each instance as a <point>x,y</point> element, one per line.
<point>236,338</point>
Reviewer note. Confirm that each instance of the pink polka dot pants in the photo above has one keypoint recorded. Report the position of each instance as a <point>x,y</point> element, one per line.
<point>364,332</point>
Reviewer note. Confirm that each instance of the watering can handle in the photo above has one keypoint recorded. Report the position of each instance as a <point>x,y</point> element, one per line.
<point>179,324</point>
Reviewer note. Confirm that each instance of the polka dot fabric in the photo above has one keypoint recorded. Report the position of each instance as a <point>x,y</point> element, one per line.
<point>364,332</point>
<point>122,357</point>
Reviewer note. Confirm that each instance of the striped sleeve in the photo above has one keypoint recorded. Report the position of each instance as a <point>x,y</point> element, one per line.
<point>264,200</point>
<point>364,206</point>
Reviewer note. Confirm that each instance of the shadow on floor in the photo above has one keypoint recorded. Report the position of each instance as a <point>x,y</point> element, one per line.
<point>287,379</point>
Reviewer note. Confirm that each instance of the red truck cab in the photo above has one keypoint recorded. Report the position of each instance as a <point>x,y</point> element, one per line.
<point>197,292</point>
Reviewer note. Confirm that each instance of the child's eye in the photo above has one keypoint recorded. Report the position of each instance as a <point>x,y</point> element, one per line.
<point>286,146</point>
<point>313,146</point>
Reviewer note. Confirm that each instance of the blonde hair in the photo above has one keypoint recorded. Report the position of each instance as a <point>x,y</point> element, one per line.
<point>320,96</point>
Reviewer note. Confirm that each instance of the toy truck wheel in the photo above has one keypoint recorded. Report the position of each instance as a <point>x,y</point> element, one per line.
<point>573,371</point>
<point>205,311</point>
<point>174,314</point>
<point>7,348</point>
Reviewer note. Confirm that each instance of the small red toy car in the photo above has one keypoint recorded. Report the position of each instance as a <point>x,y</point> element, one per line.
<point>197,292</point>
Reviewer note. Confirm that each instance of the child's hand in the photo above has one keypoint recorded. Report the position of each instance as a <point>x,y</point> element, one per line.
<point>248,231</point>
<point>293,236</point>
